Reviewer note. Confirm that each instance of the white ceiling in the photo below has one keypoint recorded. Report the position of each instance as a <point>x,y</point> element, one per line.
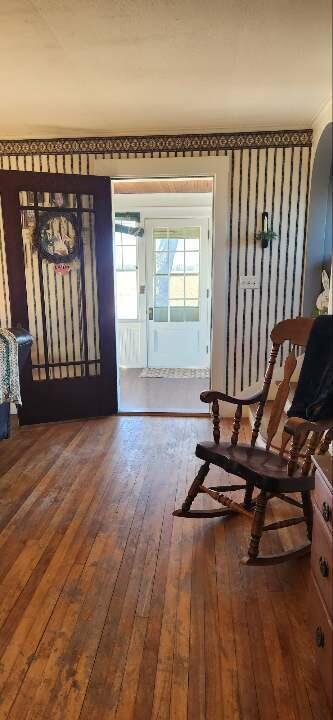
<point>94,67</point>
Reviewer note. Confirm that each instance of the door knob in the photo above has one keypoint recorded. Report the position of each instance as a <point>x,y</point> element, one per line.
<point>151,313</point>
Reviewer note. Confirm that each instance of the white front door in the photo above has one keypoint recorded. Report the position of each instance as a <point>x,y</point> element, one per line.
<point>178,292</point>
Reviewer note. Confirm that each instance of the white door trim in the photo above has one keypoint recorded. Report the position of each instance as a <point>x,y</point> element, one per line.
<point>216,167</point>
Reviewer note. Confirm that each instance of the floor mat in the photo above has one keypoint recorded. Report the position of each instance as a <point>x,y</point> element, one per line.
<point>177,373</point>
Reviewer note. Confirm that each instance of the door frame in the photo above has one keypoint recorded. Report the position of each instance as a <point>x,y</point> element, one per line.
<point>216,167</point>
<point>11,183</point>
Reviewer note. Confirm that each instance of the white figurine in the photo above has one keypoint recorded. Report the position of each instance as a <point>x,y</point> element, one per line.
<point>323,298</point>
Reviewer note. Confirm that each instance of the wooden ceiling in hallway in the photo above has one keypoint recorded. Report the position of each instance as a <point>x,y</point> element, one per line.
<point>173,185</point>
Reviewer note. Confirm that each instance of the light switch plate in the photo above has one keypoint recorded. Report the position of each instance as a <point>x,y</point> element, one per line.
<point>249,282</point>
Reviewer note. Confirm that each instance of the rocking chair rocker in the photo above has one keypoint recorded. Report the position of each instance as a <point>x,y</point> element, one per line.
<point>273,473</point>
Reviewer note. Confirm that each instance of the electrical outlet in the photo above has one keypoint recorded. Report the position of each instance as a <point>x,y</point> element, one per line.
<point>248,282</point>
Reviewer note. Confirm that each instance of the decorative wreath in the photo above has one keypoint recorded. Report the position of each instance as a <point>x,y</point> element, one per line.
<point>57,236</point>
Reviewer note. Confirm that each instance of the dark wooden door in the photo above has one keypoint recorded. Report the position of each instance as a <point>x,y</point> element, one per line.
<point>58,243</point>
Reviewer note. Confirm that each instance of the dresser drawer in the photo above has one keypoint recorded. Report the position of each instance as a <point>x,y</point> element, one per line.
<point>321,559</point>
<point>323,497</point>
<point>321,631</point>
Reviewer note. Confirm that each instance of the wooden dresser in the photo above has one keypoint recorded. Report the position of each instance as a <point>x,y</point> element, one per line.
<point>321,610</point>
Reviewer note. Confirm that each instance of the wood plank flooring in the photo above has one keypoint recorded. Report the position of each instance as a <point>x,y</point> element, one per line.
<point>137,394</point>
<point>110,608</point>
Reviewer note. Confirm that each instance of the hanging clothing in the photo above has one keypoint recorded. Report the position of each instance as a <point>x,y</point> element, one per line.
<point>9,369</point>
<point>313,398</point>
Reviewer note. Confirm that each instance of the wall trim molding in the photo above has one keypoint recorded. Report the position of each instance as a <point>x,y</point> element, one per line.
<point>182,143</point>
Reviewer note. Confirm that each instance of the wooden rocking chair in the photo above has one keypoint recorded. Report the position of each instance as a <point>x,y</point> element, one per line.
<point>273,473</point>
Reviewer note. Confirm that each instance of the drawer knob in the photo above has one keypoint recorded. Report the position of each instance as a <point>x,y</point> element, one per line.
<point>320,637</point>
<point>324,567</point>
<point>326,511</point>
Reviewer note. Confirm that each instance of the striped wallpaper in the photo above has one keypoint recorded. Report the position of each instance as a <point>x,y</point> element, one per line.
<point>264,175</point>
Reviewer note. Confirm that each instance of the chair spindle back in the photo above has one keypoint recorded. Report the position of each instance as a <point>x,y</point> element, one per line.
<point>297,332</point>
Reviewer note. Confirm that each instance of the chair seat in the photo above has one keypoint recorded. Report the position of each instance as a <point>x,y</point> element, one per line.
<point>267,470</point>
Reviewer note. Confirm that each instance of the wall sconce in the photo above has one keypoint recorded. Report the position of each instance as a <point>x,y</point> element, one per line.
<point>265,235</point>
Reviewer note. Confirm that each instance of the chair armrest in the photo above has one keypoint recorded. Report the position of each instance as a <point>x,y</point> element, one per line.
<point>298,427</point>
<point>306,431</point>
<point>208,396</point>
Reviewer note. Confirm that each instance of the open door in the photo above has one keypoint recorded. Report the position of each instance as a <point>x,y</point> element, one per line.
<point>57,231</point>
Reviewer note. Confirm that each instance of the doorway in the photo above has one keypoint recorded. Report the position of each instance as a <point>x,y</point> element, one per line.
<point>163,271</point>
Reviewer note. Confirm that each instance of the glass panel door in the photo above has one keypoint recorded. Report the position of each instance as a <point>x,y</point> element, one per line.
<point>179,290</point>
<point>58,239</point>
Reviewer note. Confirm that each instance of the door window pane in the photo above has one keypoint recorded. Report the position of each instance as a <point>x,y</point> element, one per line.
<point>176,286</point>
<point>177,314</point>
<point>192,262</point>
<point>161,263</point>
<point>161,291</point>
<point>161,314</point>
<point>176,244</point>
<point>191,244</point>
<point>191,314</point>
<point>177,260</point>
<point>161,240</point>
<point>192,286</point>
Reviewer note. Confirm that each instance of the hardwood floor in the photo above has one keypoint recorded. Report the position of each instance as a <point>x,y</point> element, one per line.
<point>112,608</point>
<point>137,394</point>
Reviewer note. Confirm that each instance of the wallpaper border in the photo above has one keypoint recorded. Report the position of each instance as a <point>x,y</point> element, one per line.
<point>198,142</point>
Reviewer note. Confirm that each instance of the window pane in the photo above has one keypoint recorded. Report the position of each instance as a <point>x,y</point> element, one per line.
<point>191,314</point>
<point>177,314</point>
<point>176,303</point>
<point>161,244</point>
<point>161,314</point>
<point>192,262</point>
<point>161,238</point>
<point>161,291</point>
<point>118,238</point>
<point>176,244</point>
<point>119,258</point>
<point>192,286</point>
<point>192,302</point>
<point>126,295</point>
<point>176,263</point>
<point>128,239</point>
<point>161,263</point>
<point>176,288</point>
<point>192,244</point>
<point>129,258</point>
